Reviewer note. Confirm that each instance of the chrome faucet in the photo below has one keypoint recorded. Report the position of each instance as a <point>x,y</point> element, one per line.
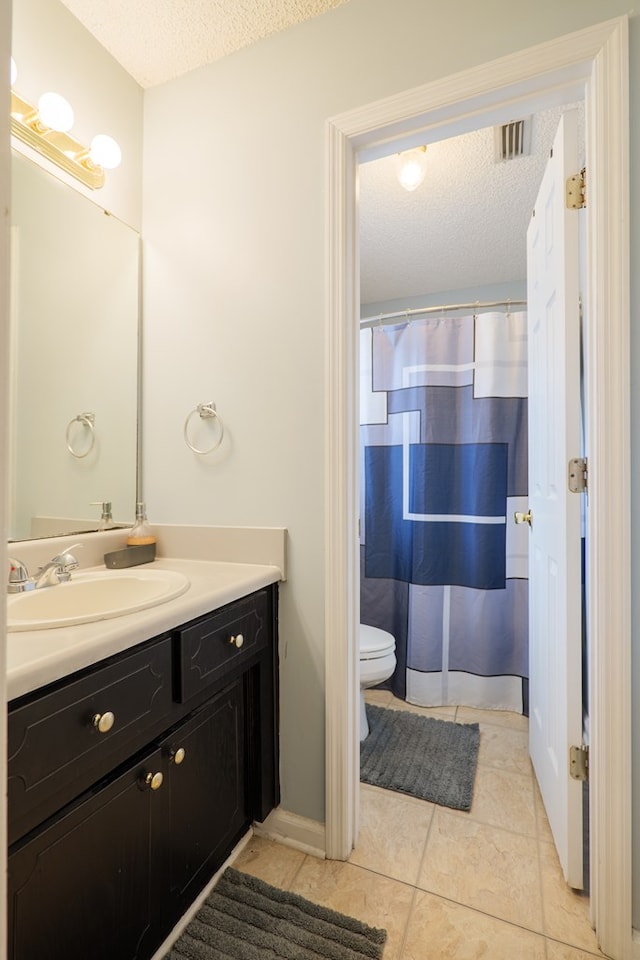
<point>57,570</point>
<point>19,579</point>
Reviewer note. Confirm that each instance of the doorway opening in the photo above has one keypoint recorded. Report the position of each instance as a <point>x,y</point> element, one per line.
<point>444,569</point>
<point>593,64</point>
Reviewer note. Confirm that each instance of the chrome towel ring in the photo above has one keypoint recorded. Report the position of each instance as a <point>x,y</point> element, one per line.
<point>87,420</point>
<point>206,411</point>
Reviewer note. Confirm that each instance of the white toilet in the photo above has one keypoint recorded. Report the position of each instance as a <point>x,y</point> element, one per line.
<point>377,663</point>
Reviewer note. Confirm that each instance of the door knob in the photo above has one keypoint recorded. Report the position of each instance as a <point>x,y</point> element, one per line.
<point>523,517</point>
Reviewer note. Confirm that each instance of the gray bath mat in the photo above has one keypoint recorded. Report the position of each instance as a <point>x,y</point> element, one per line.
<point>427,758</point>
<point>246,919</point>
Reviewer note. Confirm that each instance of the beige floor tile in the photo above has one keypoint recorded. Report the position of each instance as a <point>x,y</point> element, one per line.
<point>381,698</point>
<point>501,718</point>
<point>566,912</point>
<point>385,698</point>
<point>441,713</point>
<point>441,930</point>
<point>373,899</point>
<point>483,867</point>
<point>504,749</point>
<point>560,951</point>
<point>272,862</point>
<point>504,799</point>
<point>393,832</point>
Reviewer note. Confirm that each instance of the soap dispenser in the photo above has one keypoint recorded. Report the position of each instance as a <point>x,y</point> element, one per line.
<point>106,519</point>
<point>140,533</point>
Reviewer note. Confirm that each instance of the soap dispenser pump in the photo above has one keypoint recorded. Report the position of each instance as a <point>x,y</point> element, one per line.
<point>140,533</point>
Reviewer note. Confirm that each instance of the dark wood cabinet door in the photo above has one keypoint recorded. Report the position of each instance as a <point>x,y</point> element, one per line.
<point>84,886</point>
<point>206,793</point>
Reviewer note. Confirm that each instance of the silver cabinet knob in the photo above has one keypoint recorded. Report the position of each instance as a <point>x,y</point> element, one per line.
<point>237,641</point>
<point>103,721</point>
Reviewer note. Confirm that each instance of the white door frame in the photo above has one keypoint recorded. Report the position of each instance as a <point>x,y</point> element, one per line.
<point>592,63</point>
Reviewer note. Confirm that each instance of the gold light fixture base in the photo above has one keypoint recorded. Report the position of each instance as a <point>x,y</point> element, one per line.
<point>61,149</point>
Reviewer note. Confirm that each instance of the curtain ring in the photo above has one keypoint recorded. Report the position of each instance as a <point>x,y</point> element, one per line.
<point>87,420</point>
<point>206,411</point>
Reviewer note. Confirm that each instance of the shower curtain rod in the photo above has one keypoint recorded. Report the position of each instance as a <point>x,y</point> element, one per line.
<point>406,314</point>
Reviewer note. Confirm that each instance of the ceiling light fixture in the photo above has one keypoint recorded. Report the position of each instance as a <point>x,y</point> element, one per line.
<point>412,167</point>
<point>46,129</point>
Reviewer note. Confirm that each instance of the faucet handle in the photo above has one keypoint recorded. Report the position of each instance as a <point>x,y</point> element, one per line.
<point>18,575</point>
<point>66,559</point>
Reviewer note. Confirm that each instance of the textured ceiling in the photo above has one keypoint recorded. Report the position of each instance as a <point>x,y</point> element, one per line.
<point>157,40</point>
<point>464,226</point>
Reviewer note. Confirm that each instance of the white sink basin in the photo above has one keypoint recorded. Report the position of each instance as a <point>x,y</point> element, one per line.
<point>95,595</point>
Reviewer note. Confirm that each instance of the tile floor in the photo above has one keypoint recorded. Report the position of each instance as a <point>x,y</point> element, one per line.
<point>449,885</point>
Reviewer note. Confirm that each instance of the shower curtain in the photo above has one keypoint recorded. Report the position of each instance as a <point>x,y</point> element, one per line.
<point>443,414</point>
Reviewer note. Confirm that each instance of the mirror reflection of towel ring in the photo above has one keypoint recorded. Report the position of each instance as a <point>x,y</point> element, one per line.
<point>87,420</point>
<point>205,411</point>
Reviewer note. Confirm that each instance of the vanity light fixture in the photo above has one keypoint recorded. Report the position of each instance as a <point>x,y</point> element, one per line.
<point>412,167</point>
<point>45,128</point>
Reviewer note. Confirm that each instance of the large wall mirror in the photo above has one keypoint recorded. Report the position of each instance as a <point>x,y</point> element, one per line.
<point>73,438</point>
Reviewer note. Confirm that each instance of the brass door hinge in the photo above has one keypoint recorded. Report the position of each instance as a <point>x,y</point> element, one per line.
<point>577,475</point>
<point>579,762</point>
<point>576,193</point>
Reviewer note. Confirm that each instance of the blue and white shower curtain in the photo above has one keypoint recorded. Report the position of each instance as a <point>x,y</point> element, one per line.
<point>443,414</point>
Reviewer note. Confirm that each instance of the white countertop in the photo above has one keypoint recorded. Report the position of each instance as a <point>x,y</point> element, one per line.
<point>38,657</point>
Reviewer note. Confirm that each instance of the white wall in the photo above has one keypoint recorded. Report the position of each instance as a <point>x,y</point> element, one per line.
<point>53,51</point>
<point>233,225</point>
<point>5,204</point>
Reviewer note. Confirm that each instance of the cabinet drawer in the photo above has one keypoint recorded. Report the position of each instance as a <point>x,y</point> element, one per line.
<point>213,646</point>
<point>56,748</point>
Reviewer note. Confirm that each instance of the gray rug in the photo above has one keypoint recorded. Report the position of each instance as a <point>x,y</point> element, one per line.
<point>427,758</point>
<point>246,919</point>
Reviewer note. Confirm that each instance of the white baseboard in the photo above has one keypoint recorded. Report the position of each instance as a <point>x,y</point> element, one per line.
<point>293,831</point>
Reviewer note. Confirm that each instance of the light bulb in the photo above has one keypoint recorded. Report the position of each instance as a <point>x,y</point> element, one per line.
<point>105,152</point>
<point>55,112</point>
<point>13,71</point>
<point>412,167</point>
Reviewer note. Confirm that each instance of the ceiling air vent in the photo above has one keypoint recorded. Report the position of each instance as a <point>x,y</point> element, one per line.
<point>512,140</point>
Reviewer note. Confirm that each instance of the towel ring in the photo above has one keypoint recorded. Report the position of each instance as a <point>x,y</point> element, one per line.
<point>87,420</point>
<point>206,411</point>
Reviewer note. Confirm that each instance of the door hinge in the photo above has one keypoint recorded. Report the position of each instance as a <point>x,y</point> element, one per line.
<point>579,762</point>
<point>577,475</point>
<point>576,193</point>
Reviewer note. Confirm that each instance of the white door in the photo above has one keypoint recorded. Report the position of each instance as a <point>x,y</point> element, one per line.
<point>555,619</point>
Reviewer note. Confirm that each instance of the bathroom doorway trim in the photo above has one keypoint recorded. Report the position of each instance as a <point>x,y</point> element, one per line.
<point>591,63</point>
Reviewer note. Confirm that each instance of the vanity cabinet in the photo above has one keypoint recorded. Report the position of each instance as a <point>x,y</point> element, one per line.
<point>161,797</point>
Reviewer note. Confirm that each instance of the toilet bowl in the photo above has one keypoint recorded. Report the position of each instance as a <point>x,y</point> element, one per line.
<point>377,663</point>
